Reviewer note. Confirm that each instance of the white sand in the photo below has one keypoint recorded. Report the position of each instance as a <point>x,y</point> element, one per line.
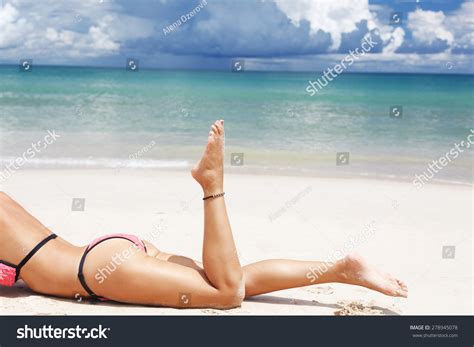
<point>411,227</point>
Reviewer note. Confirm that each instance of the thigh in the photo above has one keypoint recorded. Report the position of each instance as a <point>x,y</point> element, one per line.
<point>137,278</point>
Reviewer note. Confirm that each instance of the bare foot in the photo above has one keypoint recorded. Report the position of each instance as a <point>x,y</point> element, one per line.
<point>209,171</point>
<point>355,270</point>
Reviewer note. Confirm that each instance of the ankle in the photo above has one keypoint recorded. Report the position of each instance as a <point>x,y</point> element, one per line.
<point>212,190</point>
<point>348,269</point>
<point>340,271</point>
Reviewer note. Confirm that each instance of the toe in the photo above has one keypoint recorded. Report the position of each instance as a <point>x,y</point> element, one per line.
<point>215,130</point>
<point>401,284</point>
<point>402,293</point>
<point>400,289</point>
<point>219,127</point>
<point>404,290</point>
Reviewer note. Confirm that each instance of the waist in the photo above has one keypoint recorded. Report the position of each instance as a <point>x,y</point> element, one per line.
<point>54,271</point>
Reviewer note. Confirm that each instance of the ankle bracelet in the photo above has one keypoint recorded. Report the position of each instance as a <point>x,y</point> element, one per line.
<point>214,196</point>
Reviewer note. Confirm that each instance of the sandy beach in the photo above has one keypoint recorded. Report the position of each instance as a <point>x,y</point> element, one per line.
<point>272,217</point>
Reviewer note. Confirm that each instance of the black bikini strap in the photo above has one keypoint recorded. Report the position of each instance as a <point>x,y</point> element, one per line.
<point>80,275</point>
<point>32,253</point>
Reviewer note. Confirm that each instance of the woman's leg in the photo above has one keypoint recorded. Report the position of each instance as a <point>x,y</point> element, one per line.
<point>220,259</point>
<point>277,274</point>
<point>150,280</point>
<point>271,275</point>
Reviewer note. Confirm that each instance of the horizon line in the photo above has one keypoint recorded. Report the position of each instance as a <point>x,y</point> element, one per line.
<point>248,71</point>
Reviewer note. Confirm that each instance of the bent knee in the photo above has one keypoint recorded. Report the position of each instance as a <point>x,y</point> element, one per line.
<point>233,297</point>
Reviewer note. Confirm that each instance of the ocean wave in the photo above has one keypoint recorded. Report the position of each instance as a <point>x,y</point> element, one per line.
<point>109,163</point>
<point>7,164</point>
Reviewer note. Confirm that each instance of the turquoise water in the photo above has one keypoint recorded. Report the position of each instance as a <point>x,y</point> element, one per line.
<point>107,116</point>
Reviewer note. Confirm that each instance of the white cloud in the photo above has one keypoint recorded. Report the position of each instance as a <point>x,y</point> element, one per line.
<point>52,31</point>
<point>335,17</point>
<point>341,17</point>
<point>101,41</point>
<point>56,31</point>
<point>63,37</point>
<point>12,28</point>
<point>456,29</point>
<point>93,44</point>
<point>461,24</point>
<point>429,26</point>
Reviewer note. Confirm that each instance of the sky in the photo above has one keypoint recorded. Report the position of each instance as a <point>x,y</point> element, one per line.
<point>289,35</point>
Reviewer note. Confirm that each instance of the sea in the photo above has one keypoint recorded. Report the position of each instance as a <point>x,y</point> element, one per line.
<point>364,125</point>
